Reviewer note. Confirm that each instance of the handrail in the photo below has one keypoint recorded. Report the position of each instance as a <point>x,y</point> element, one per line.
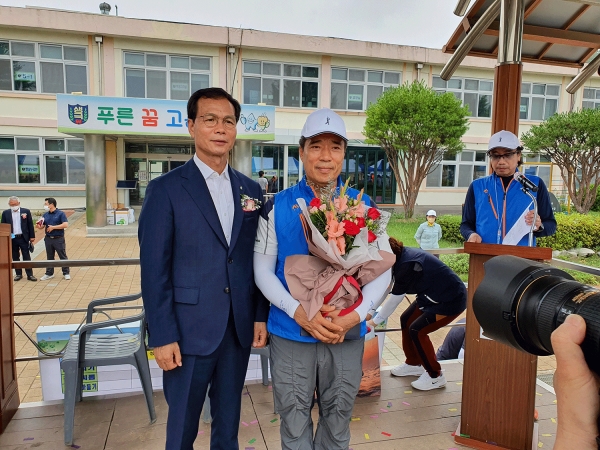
<point>75,263</point>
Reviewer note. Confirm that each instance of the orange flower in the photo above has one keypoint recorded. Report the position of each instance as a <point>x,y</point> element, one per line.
<point>341,204</point>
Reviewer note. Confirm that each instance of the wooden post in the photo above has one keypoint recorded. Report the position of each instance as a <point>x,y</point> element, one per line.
<point>9,390</point>
<point>498,397</point>
<point>507,98</point>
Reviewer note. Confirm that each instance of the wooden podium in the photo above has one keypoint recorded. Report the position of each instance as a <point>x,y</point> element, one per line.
<point>498,397</point>
<point>9,390</point>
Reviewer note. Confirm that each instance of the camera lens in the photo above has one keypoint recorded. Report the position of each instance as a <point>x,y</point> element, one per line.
<point>521,302</point>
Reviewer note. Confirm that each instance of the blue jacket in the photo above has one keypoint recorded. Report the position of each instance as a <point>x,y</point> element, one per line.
<point>191,278</point>
<point>490,211</point>
<point>291,241</point>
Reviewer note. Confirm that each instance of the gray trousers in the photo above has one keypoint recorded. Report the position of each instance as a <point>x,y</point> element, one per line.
<point>335,371</point>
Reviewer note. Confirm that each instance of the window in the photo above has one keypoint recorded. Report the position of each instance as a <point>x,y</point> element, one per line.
<point>591,98</point>
<point>459,170</point>
<point>538,101</point>
<point>280,84</point>
<point>539,165</point>
<point>476,94</point>
<point>40,161</point>
<point>47,68</point>
<point>176,77</point>
<point>356,89</point>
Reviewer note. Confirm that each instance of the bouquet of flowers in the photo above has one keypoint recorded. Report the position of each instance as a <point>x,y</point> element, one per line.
<point>342,234</point>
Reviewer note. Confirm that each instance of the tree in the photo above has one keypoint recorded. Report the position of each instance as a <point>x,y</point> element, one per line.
<point>415,126</point>
<point>572,141</point>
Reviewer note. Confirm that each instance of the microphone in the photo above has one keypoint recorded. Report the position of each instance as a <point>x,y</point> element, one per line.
<point>525,182</point>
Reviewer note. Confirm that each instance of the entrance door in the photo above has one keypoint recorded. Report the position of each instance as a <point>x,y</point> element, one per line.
<point>144,169</point>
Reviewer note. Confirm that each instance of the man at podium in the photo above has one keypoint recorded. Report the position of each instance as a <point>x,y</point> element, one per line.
<point>496,210</point>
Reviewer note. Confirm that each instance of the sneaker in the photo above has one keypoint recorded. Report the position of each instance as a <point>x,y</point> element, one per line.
<point>406,370</point>
<point>426,383</point>
<point>46,277</point>
<point>67,277</point>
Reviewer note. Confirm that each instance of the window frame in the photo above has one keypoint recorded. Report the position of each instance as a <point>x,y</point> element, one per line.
<point>167,69</point>
<point>282,78</point>
<point>530,96</point>
<point>463,90</point>
<point>458,162</point>
<point>41,154</point>
<point>594,101</point>
<point>37,60</point>
<point>365,84</point>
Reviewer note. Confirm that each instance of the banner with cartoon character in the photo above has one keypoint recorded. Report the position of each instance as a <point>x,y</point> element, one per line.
<point>257,123</point>
<point>88,114</point>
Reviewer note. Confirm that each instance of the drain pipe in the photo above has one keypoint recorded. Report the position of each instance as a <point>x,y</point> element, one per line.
<point>100,81</point>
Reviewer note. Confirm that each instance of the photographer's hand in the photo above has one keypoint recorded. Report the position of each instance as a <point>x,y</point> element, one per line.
<point>576,389</point>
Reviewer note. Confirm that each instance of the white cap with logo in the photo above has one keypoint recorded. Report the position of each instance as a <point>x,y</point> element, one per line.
<point>504,139</point>
<point>431,212</point>
<point>324,121</point>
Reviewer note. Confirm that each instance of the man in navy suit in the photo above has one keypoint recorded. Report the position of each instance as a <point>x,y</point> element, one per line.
<point>21,227</point>
<point>197,230</point>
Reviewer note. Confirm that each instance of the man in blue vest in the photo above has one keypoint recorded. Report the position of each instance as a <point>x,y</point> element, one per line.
<point>323,357</point>
<point>495,204</point>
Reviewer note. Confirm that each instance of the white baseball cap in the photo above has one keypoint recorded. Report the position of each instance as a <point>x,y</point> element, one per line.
<point>324,121</point>
<point>431,212</point>
<point>504,139</point>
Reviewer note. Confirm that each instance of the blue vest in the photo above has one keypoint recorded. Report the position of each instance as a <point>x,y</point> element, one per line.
<point>291,241</point>
<point>496,213</point>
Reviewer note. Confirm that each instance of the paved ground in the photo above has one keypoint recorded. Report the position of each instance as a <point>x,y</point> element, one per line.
<point>400,419</point>
<point>88,283</point>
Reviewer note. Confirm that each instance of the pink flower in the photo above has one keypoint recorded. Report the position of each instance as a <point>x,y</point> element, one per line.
<point>341,204</point>
<point>24,216</point>
<point>250,205</point>
<point>341,245</point>
<point>359,210</point>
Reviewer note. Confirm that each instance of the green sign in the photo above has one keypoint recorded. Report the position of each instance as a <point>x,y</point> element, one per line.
<point>29,169</point>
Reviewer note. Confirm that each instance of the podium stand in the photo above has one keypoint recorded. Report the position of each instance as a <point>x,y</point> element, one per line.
<point>498,398</point>
<point>9,392</point>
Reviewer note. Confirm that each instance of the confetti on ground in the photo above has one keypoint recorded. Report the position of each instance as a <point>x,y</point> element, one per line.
<point>383,410</point>
<point>547,435</point>
<point>406,403</point>
<point>252,441</point>
<point>386,434</point>
<point>245,424</point>
<point>553,420</point>
<point>354,419</point>
<point>459,383</point>
<point>540,444</point>
<point>389,404</point>
<point>274,420</point>
<point>246,393</point>
<point>249,448</point>
<point>465,435</point>
<point>554,401</point>
<point>491,442</point>
<point>408,392</point>
<point>453,448</point>
<point>200,432</point>
<point>374,416</point>
<point>453,434</point>
<point>367,436</point>
<point>28,439</point>
<point>452,409</point>
<point>537,393</point>
<point>253,422</point>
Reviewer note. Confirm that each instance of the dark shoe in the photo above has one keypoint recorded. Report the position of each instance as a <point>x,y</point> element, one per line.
<point>18,277</point>
<point>32,278</point>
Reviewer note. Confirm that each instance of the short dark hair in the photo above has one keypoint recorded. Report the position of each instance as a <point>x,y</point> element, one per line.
<point>213,93</point>
<point>260,173</point>
<point>51,201</point>
<point>302,142</point>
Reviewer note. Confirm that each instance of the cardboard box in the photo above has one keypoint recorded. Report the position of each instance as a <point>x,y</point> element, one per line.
<point>110,217</point>
<point>122,217</point>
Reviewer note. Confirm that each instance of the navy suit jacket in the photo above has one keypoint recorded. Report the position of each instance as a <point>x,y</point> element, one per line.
<point>26,224</point>
<point>191,278</point>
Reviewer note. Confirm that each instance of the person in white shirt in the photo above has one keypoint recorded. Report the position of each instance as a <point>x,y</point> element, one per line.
<point>22,233</point>
<point>262,181</point>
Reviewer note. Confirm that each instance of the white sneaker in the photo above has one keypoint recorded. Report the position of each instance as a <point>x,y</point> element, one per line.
<point>46,277</point>
<point>67,277</point>
<point>406,370</point>
<point>426,383</point>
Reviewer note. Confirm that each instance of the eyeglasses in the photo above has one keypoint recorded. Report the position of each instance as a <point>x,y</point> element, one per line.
<point>495,157</point>
<point>211,121</point>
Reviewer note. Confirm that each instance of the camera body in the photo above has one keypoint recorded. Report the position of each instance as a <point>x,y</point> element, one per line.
<point>521,302</point>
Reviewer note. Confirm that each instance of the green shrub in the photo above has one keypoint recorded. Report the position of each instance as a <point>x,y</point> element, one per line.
<point>596,205</point>
<point>450,228</point>
<point>583,277</point>
<point>573,231</point>
<point>459,262</point>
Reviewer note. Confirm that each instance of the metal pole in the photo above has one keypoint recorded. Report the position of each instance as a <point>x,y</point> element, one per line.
<point>511,31</point>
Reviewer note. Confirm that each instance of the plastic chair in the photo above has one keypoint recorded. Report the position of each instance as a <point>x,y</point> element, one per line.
<point>104,350</point>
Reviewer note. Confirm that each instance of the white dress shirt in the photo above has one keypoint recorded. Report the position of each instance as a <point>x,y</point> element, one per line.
<point>219,186</point>
<point>16,216</point>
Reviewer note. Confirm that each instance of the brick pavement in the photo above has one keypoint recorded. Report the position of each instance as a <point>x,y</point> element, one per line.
<point>88,283</point>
